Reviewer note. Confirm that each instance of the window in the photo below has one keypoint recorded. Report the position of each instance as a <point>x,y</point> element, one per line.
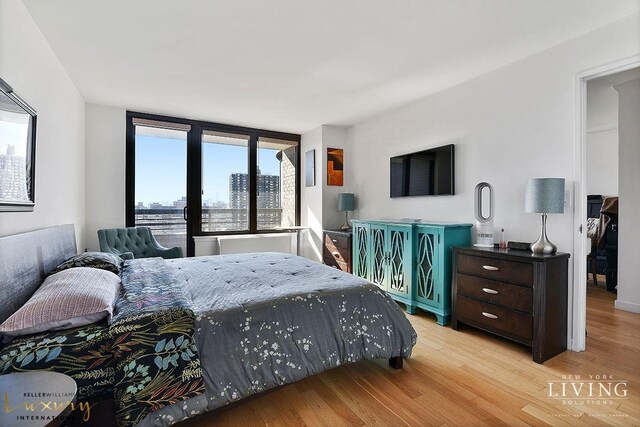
<point>277,160</point>
<point>189,178</point>
<point>225,182</point>
<point>161,182</point>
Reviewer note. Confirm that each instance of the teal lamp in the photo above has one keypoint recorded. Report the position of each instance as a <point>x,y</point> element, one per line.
<point>346,203</point>
<point>545,196</point>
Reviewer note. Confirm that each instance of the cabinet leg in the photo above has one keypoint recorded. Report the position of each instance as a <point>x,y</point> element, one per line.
<point>410,309</point>
<point>442,320</point>
<point>396,362</point>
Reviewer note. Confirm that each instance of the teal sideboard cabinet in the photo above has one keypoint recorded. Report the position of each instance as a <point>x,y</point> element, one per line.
<point>411,261</point>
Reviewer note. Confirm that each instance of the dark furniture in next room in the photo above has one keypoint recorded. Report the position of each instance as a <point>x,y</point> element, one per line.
<point>336,249</point>
<point>515,294</point>
<point>602,227</point>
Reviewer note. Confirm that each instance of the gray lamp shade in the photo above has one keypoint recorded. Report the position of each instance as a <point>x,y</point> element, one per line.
<point>346,201</point>
<point>545,195</point>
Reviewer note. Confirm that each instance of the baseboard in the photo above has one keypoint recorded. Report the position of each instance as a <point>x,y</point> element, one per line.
<point>627,306</point>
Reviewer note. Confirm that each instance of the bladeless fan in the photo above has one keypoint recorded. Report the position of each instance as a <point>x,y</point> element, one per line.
<point>484,223</point>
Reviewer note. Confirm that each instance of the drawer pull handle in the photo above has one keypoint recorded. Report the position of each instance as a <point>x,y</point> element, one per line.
<point>490,291</point>
<point>490,268</point>
<point>489,315</point>
<point>334,240</point>
<point>337,254</point>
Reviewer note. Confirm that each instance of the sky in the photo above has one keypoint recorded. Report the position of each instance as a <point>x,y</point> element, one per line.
<point>161,168</point>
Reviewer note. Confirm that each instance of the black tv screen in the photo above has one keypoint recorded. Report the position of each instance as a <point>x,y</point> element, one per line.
<point>423,173</point>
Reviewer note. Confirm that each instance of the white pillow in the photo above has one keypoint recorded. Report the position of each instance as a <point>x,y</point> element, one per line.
<point>70,298</point>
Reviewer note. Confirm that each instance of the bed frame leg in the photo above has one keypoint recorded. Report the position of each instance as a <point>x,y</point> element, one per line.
<point>396,362</point>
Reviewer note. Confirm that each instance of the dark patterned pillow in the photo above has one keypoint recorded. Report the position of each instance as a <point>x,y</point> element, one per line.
<point>101,260</point>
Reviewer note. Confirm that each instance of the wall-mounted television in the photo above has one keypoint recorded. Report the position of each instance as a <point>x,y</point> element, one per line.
<point>423,173</point>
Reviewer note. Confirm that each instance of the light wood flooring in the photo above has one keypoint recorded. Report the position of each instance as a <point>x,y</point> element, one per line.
<point>460,378</point>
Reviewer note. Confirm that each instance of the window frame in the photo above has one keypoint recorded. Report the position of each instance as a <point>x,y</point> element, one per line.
<point>194,172</point>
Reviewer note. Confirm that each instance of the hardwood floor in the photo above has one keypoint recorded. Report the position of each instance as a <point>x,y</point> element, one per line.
<point>465,377</point>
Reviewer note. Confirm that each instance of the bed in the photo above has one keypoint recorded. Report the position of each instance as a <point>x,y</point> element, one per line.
<point>192,335</point>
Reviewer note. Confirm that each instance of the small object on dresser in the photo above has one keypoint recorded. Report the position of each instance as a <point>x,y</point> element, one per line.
<point>484,221</point>
<point>503,244</point>
<point>521,246</point>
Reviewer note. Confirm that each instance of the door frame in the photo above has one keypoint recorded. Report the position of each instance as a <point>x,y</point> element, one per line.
<point>578,316</point>
<point>130,168</point>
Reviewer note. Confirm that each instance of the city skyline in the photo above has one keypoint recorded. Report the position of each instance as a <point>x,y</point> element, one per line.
<point>269,197</point>
<point>161,169</point>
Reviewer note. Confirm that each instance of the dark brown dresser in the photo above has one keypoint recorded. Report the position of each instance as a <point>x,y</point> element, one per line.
<point>336,249</point>
<point>514,294</point>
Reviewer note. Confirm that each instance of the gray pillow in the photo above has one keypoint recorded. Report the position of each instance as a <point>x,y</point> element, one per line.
<point>102,260</point>
<point>70,298</point>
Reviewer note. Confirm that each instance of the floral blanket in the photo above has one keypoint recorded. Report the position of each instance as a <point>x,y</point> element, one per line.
<point>147,358</point>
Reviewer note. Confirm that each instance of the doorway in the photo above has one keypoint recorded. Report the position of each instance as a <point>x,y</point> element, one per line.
<point>598,190</point>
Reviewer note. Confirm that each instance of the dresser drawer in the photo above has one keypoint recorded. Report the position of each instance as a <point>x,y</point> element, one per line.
<point>502,321</point>
<point>340,265</point>
<point>336,240</point>
<point>497,269</point>
<point>499,293</point>
<point>339,254</point>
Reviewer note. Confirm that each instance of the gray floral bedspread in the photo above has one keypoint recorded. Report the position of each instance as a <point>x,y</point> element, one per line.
<point>192,335</point>
<point>265,320</point>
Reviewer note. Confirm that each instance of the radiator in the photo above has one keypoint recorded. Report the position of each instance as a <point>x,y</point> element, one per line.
<point>281,242</point>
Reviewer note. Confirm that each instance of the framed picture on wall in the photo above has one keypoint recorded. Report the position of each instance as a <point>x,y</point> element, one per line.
<point>17,152</point>
<point>335,166</point>
<point>310,166</point>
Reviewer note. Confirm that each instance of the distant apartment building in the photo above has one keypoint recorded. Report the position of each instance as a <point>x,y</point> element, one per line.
<point>269,212</point>
<point>268,191</point>
<point>13,172</point>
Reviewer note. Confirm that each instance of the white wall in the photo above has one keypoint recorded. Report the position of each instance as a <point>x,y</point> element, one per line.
<point>509,125</point>
<point>319,204</point>
<point>29,65</point>
<point>629,209</point>
<point>334,137</point>
<point>602,138</point>
<point>311,197</point>
<point>105,158</point>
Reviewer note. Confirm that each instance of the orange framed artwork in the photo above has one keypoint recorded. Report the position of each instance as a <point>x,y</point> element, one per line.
<point>335,166</point>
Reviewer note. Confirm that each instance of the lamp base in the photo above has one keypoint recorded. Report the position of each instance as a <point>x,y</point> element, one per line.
<point>346,226</point>
<point>543,245</point>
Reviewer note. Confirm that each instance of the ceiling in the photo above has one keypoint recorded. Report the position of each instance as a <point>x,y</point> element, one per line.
<point>292,65</point>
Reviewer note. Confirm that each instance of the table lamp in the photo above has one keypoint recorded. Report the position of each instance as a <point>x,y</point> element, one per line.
<point>346,203</point>
<point>545,196</point>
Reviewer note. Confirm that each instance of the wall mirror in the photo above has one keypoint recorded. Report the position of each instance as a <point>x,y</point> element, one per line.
<point>17,152</point>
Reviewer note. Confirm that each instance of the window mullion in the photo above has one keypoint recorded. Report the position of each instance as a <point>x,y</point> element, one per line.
<point>253,183</point>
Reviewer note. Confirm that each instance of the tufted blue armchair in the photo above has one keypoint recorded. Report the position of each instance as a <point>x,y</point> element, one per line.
<point>134,242</point>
